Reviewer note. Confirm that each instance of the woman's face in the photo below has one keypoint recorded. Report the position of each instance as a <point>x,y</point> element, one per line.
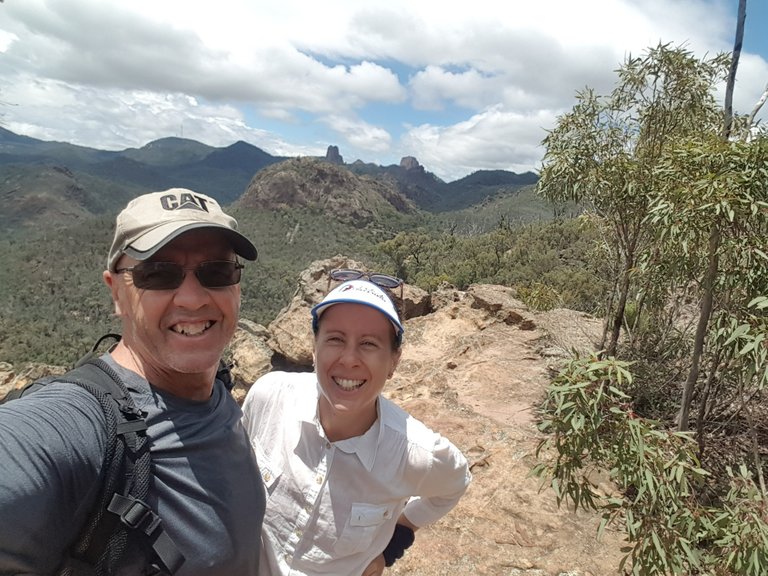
<point>354,357</point>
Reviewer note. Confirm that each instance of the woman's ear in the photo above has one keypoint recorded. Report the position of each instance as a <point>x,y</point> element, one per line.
<point>395,362</point>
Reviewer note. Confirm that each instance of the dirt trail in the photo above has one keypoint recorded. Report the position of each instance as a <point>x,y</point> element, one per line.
<point>477,380</point>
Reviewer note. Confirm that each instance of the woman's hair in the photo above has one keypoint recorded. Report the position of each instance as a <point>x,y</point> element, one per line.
<point>397,342</point>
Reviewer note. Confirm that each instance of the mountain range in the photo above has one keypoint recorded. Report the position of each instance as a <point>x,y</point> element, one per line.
<point>58,181</point>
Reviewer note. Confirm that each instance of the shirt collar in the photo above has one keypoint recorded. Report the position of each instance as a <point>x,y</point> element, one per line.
<point>364,447</point>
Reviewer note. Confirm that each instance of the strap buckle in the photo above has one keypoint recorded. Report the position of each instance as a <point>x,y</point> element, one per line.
<point>135,514</point>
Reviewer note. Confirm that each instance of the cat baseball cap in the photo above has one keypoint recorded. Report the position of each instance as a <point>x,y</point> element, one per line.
<point>152,220</point>
<point>360,292</point>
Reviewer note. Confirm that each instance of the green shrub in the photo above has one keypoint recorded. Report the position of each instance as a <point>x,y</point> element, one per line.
<point>590,425</point>
<point>539,296</point>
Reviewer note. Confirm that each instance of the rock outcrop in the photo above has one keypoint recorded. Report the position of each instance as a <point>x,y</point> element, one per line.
<point>332,155</point>
<point>315,183</point>
<point>410,163</point>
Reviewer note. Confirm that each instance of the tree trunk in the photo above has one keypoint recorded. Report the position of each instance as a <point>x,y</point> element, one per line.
<point>618,318</point>
<point>714,236</point>
<point>607,321</point>
<point>701,328</point>
<point>704,404</point>
<point>737,43</point>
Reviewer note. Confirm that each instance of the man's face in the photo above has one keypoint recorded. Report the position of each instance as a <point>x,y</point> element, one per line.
<point>182,330</point>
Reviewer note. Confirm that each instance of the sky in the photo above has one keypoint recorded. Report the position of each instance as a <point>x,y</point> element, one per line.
<point>461,86</point>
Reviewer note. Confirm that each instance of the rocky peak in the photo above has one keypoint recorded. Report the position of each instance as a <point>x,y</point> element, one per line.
<point>334,189</point>
<point>332,155</point>
<point>410,163</point>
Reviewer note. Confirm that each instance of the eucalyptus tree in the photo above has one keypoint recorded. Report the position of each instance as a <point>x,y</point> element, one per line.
<point>710,213</point>
<point>711,218</point>
<point>604,152</point>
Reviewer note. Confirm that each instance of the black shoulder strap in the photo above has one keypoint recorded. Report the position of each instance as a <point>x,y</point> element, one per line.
<point>224,373</point>
<point>94,351</point>
<point>126,477</point>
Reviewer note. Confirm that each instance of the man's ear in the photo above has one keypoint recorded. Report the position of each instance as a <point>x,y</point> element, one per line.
<point>109,280</point>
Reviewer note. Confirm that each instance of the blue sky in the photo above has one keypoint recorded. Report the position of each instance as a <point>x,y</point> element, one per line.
<point>461,86</point>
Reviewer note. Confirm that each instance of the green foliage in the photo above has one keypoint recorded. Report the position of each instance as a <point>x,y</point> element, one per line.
<point>740,532</point>
<point>551,263</point>
<point>604,153</point>
<point>517,208</point>
<point>746,342</point>
<point>539,296</point>
<point>685,221</point>
<point>53,304</point>
<point>592,427</point>
<point>706,182</point>
<point>709,218</point>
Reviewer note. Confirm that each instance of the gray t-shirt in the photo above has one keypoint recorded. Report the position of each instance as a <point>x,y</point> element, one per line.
<point>206,484</point>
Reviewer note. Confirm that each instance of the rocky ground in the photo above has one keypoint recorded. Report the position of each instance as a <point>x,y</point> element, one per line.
<point>476,374</point>
<point>475,365</point>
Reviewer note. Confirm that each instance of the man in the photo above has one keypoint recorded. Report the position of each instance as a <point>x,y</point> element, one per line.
<point>174,275</point>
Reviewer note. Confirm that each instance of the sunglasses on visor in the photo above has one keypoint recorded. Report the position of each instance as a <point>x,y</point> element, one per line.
<point>381,280</point>
<point>169,275</point>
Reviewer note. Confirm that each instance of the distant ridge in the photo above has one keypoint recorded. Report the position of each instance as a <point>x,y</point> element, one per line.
<point>240,154</point>
<point>498,178</point>
<point>169,151</point>
<point>105,179</point>
<point>6,136</point>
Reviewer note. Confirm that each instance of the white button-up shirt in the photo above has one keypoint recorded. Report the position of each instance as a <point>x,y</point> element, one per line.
<point>332,506</point>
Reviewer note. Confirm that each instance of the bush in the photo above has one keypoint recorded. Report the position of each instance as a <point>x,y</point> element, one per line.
<point>591,425</point>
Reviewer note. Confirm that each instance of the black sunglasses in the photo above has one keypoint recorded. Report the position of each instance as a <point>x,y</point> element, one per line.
<point>169,275</point>
<point>381,280</point>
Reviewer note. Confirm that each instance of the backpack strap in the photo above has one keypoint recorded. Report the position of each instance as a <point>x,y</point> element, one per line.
<point>126,477</point>
<point>224,373</point>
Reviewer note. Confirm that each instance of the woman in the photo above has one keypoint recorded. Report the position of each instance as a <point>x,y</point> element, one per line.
<point>349,475</point>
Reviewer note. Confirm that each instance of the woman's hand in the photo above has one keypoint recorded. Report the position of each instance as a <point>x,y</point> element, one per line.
<point>376,567</point>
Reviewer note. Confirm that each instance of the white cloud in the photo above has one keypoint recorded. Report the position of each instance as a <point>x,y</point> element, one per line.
<point>120,119</point>
<point>492,139</point>
<point>434,85</point>
<point>6,39</point>
<point>123,72</point>
<point>360,135</point>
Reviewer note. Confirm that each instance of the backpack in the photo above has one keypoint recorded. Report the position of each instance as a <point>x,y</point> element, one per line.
<point>120,515</point>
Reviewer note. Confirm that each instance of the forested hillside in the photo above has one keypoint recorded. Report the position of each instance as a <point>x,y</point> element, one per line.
<point>54,304</point>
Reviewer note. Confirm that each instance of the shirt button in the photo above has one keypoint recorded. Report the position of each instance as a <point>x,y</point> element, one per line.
<point>307,508</point>
<point>319,479</point>
<point>327,445</point>
<point>267,476</point>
